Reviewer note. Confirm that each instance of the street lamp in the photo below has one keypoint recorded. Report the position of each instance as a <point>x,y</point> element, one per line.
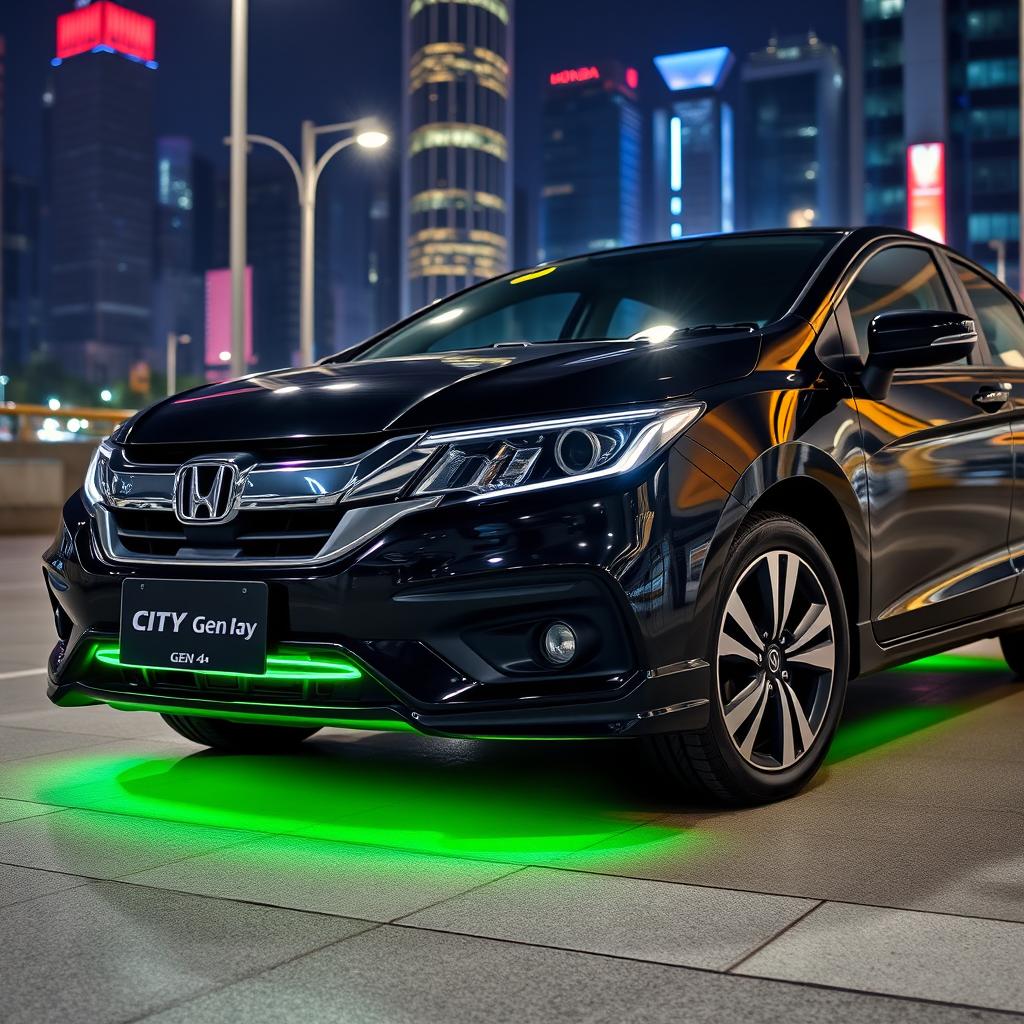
<point>173,341</point>
<point>4,381</point>
<point>363,133</point>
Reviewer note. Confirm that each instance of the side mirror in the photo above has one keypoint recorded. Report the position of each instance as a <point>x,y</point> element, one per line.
<point>909,338</point>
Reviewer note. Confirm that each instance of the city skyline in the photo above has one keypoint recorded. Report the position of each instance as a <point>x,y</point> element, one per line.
<point>366,74</point>
<point>508,145</point>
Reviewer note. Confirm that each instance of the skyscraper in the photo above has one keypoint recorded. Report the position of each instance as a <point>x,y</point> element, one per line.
<point>457,122</point>
<point>591,195</point>
<point>935,129</point>
<point>694,145</point>
<point>20,293</point>
<point>273,253</point>
<point>792,136</point>
<point>184,216</point>
<point>102,190</point>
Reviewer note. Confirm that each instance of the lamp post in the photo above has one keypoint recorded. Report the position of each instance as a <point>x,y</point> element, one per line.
<point>364,133</point>
<point>173,341</point>
<point>999,246</point>
<point>237,242</point>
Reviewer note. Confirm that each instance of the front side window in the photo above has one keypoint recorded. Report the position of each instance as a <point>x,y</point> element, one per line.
<point>901,277</point>
<point>998,316</point>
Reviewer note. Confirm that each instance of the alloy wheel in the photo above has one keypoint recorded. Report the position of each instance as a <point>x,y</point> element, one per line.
<point>776,660</point>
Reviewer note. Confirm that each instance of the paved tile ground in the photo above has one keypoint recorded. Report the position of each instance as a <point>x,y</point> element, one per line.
<point>383,877</point>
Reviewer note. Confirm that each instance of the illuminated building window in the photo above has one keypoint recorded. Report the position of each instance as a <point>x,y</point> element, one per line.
<point>495,7</point>
<point>453,198</point>
<point>460,136</point>
<point>448,62</point>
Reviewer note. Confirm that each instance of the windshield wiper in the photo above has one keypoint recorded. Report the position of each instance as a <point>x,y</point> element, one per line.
<point>740,325</point>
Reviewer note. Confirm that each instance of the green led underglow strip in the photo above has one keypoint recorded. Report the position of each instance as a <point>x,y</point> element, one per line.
<point>182,707</point>
<point>279,666</point>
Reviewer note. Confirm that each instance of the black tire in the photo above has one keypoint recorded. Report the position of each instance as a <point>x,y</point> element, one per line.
<point>238,737</point>
<point>809,696</point>
<point>1012,645</point>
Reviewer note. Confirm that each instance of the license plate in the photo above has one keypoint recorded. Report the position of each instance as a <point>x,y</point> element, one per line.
<point>193,624</point>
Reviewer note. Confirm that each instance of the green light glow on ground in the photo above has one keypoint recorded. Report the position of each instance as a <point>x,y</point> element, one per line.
<point>291,667</point>
<point>953,663</point>
<point>374,791</point>
<point>864,734</point>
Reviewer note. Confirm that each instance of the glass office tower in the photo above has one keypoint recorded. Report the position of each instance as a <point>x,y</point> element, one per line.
<point>103,171</point>
<point>457,114</point>
<point>940,78</point>
<point>590,197</point>
<point>792,137</point>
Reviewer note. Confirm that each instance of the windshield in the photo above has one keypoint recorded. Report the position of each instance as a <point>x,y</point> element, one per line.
<point>723,280</point>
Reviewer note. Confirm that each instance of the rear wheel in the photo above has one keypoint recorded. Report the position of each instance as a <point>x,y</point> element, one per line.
<point>779,658</point>
<point>1012,645</point>
<point>237,737</point>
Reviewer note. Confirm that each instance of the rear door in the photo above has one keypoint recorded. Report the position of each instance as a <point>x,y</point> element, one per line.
<point>1000,320</point>
<point>939,457</point>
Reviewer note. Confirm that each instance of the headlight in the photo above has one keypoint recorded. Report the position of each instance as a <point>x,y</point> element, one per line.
<point>96,488</point>
<point>547,453</point>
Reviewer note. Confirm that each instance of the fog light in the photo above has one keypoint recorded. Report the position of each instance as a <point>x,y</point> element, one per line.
<point>559,644</point>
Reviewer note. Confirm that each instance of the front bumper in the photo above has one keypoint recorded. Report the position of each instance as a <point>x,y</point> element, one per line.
<point>441,615</point>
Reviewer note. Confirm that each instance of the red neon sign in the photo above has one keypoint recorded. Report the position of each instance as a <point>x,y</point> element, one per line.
<point>926,190</point>
<point>109,25</point>
<point>632,77</point>
<point>569,75</point>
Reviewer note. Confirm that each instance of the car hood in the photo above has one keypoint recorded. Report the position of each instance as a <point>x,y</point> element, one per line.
<point>443,389</point>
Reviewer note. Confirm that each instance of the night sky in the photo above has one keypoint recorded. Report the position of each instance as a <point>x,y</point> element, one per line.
<point>338,59</point>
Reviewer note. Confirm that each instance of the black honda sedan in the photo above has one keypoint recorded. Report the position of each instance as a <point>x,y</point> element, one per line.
<point>682,492</point>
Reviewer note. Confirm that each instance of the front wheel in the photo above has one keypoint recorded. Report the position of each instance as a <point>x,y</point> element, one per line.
<point>238,737</point>
<point>779,663</point>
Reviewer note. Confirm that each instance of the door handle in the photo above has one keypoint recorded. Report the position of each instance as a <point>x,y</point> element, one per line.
<point>992,397</point>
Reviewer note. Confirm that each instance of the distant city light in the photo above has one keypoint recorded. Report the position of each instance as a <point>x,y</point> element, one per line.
<point>926,190</point>
<point>632,77</point>
<point>106,395</point>
<point>694,69</point>
<point>53,404</point>
<point>106,27</point>
<point>74,425</point>
<point>565,77</point>
<point>224,356</point>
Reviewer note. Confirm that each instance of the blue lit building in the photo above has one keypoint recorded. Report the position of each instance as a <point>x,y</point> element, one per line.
<point>591,191</point>
<point>694,145</point>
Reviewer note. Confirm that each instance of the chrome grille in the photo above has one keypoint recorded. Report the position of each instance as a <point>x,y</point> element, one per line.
<point>253,533</point>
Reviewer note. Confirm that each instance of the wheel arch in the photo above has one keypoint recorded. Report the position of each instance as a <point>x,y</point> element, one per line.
<point>808,485</point>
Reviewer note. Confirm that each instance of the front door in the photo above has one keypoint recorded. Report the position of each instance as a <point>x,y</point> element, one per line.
<point>939,458</point>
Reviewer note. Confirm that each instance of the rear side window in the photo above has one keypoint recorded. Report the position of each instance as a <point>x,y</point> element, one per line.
<point>901,277</point>
<point>998,316</point>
